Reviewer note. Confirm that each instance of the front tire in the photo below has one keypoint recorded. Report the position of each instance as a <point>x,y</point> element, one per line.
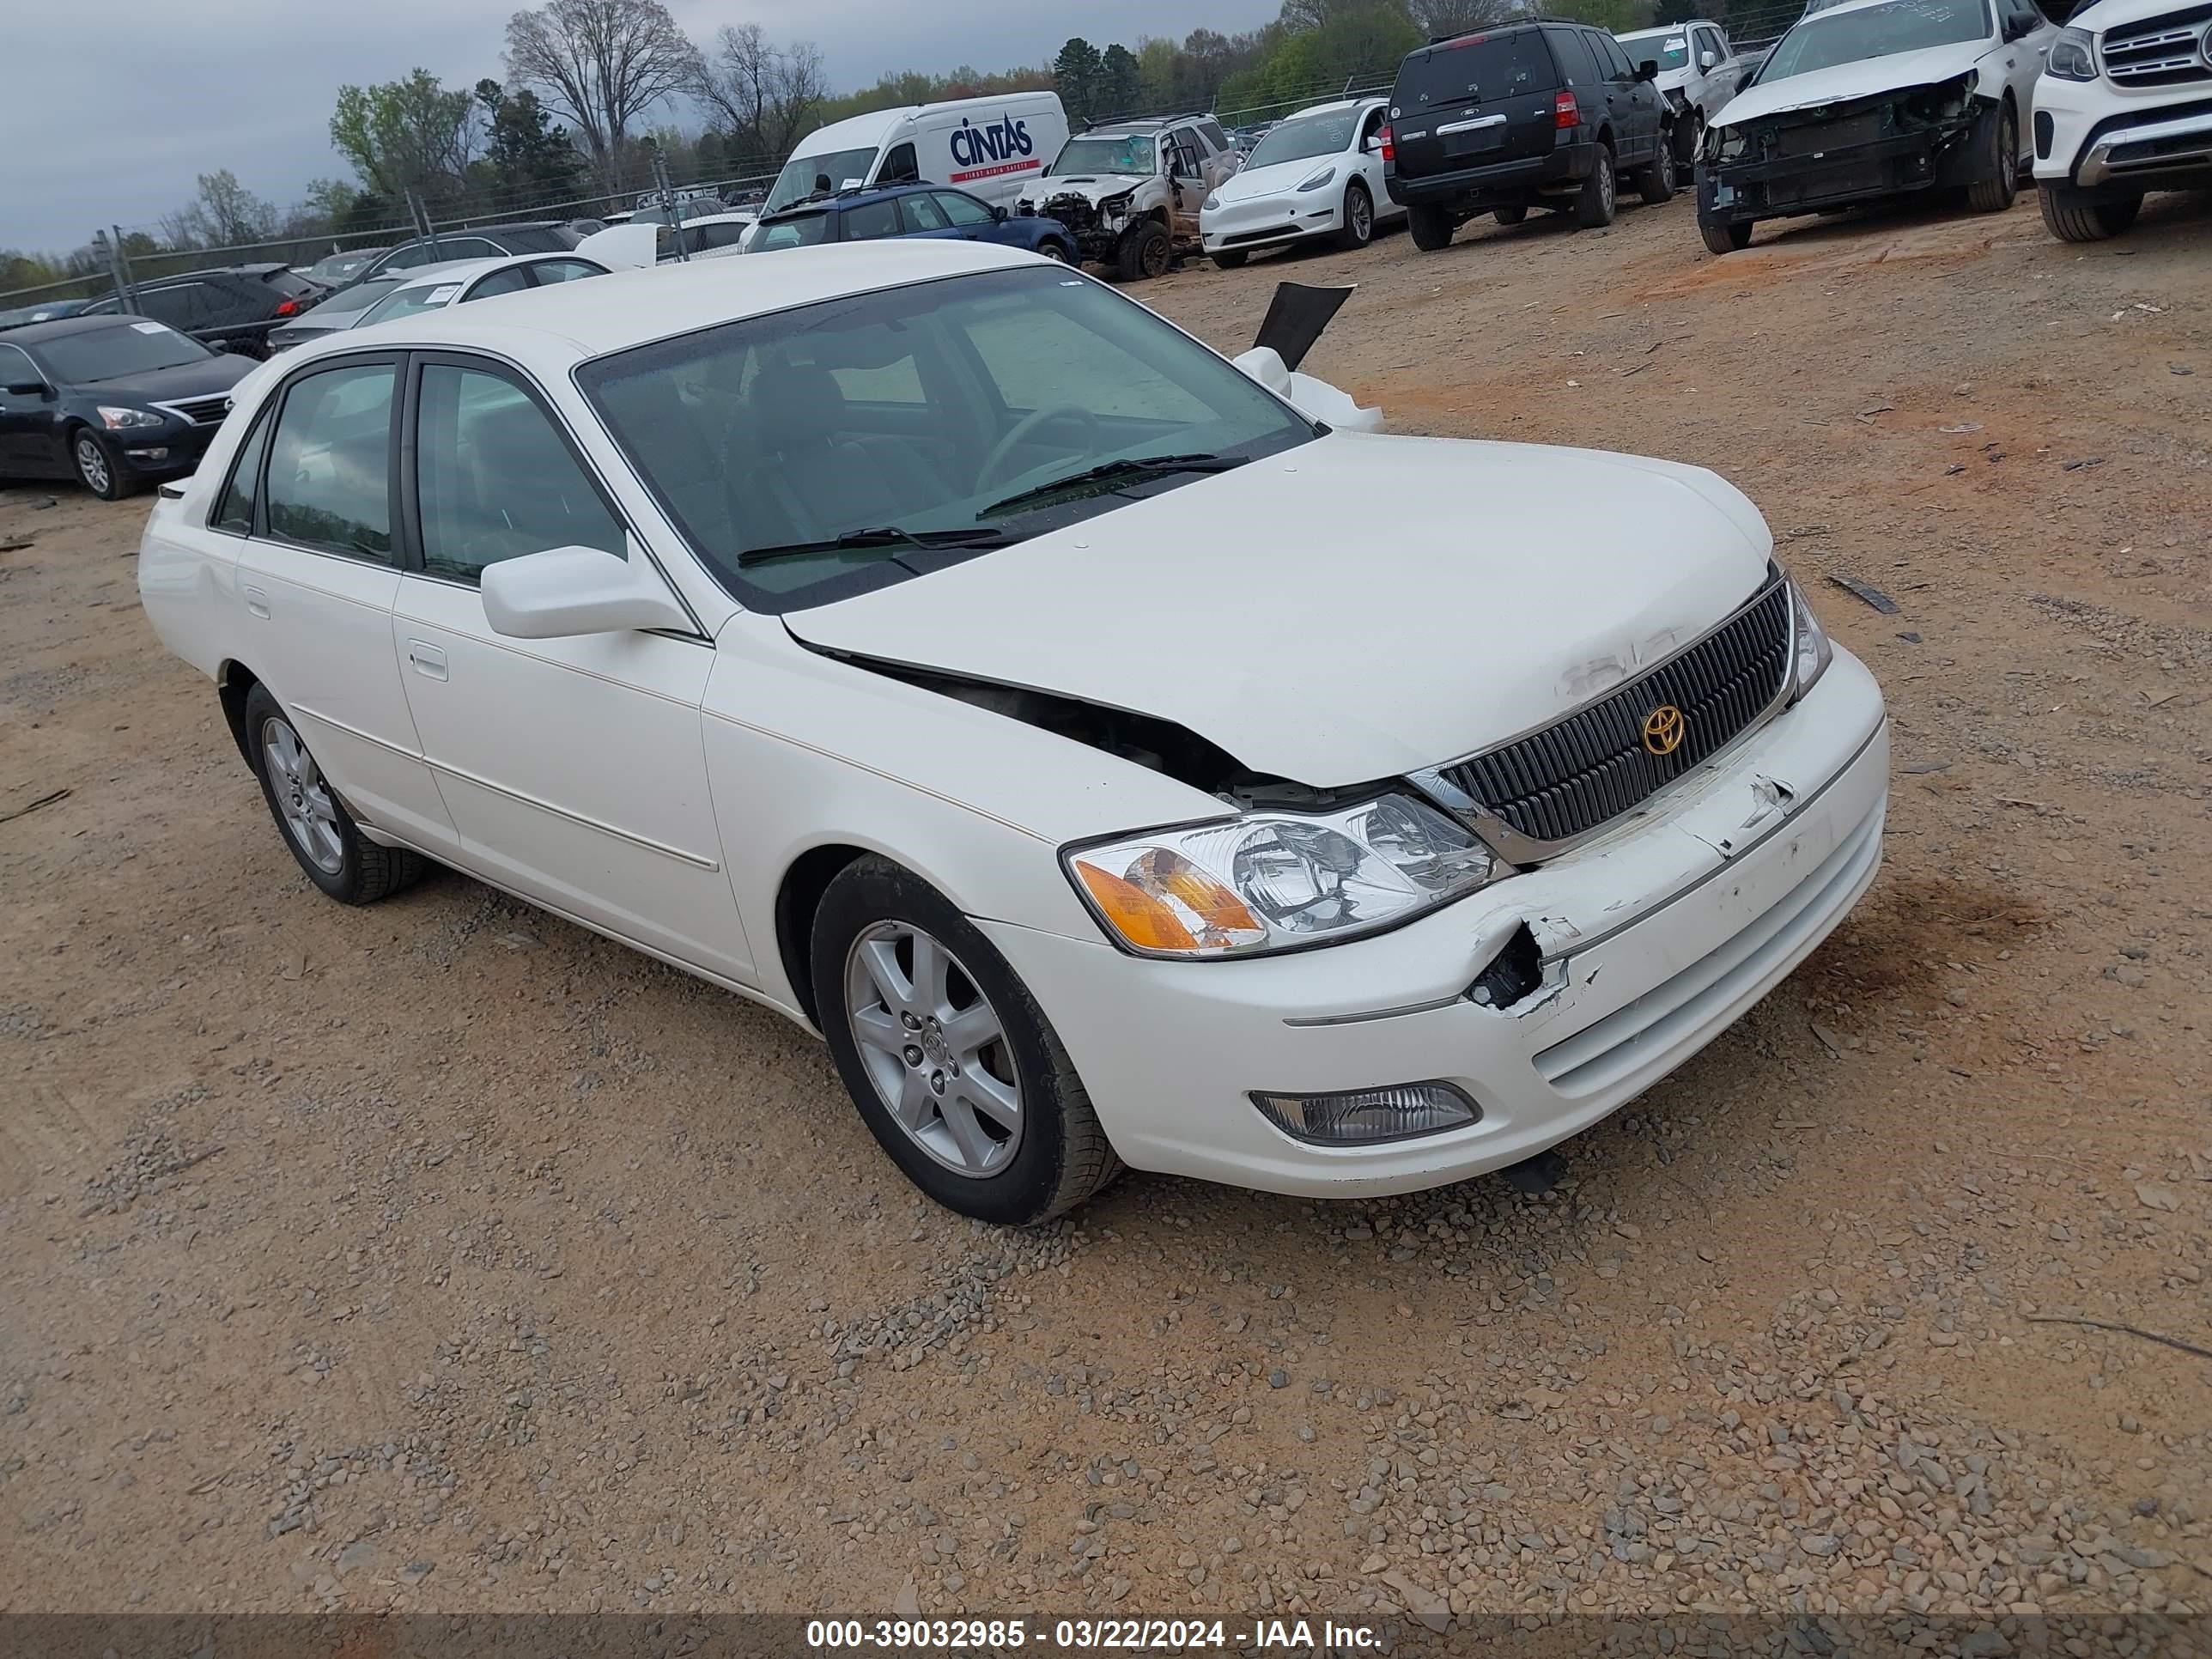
<point>1144,252</point>
<point>1732,237</point>
<point>1231,258</point>
<point>1595,202</point>
<point>97,468</point>
<point>952,1065</point>
<point>1358,218</point>
<point>2072,216</point>
<point>1430,227</point>
<point>338,858</point>
<point>1655,183</point>
<point>1994,191</point>
<point>1059,253</point>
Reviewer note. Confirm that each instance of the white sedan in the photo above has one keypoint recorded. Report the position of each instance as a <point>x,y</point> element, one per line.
<point>930,643</point>
<point>462,280</point>
<point>1317,173</point>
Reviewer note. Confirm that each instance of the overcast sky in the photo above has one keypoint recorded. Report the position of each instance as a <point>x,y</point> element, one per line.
<point>110,123</point>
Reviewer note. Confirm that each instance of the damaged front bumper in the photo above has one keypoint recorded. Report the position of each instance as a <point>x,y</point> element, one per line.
<point>1649,942</point>
<point>1097,227</point>
<point>1838,155</point>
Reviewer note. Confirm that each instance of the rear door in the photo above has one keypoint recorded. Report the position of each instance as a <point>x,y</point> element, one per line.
<point>1474,101</point>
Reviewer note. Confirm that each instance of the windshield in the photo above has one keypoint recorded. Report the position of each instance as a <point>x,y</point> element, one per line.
<point>412,301</point>
<point>1671,48</point>
<point>1883,31</point>
<point>962,408</point>
<point>359,297</point>
<point>1305,137</point>
<point>1130,153</point>
<point>809,175</point>
<point>136,346</point>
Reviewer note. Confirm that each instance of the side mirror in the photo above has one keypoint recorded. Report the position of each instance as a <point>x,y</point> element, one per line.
<point>28,389</point>
<point>1707,59</point>
<point>1647,69</point>
<point>218,347</point>
<point>2019,26</point>
<point>999,212</point>
<point>567,590</point>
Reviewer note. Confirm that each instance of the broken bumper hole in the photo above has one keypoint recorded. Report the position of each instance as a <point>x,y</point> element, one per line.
<point>1515,972</point>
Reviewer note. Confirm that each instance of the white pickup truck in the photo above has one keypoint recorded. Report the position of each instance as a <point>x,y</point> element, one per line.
<point>2124,107</point>
<point>1699,72</point>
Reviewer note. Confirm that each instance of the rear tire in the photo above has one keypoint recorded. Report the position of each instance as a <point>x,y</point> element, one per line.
<point>1655,184</point>
<point>1430,227</point>
<point>321,834</point>
<point>1144,252</point>
<point>2071,216</point>
<point>1595,202</point>
<point>1052,1156</point>
<point>1233,259</point>
<point>1509,216</point>
<point>1732,237</point>
<point>1358,227</point>
<point>1994,191</point>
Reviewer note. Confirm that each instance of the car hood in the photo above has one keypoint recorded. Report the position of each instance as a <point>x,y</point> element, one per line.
<point>1093,187</point>
<point>195,379</point>
<point>1279,611</point>
<point>1276,177</point>
<point>1863,79</point>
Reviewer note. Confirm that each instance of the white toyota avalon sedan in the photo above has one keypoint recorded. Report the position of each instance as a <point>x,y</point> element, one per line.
<point>929,642</point>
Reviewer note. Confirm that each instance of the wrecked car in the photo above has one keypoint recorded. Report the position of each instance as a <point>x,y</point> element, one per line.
<point>1874,99</point>
<point>1130,192</point>
<point>934,645</point>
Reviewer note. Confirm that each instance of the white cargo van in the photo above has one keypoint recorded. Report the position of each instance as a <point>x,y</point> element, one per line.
<point>989,146</point>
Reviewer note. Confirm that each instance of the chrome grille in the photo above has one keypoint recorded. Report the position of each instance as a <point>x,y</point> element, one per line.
<point>2167,50</point>
<point>201,411</point>
<point>1590,768</point>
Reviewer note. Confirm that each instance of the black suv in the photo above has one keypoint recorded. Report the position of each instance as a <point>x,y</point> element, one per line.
<point>1544,114</point>
<point>232,309</point>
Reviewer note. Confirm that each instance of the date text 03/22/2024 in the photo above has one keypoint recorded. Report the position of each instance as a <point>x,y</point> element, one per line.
<point>1158,1635</point>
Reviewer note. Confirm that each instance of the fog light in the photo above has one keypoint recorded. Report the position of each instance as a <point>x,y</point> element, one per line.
<point>156,454</point>
<point>1366,1117</point>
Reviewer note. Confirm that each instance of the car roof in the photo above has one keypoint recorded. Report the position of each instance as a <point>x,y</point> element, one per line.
<point>62,327</point>
<point>631,307</point>
<point>1335,106</point>
<point>840,201</point>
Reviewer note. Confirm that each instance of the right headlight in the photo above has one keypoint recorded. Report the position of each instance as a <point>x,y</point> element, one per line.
<point>2073,55</point>
<point>1277,881</point>
<point>1210,203</point>
<point>1812,652</point>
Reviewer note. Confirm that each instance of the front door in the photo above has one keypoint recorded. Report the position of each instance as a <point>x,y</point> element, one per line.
<point>30,437</point>
<point>574,767</point>
<point>318,569</point>
<point>1187,178</point>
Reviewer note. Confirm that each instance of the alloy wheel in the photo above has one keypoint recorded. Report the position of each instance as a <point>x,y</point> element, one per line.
<point>92,464</point>
<point>934,1048</point>
<point>1362,214</point>
<point>303,796</point>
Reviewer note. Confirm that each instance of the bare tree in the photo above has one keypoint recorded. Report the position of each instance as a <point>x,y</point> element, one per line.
<point>599,64</point>
<point>1439,18</point>
<point>766,94</point>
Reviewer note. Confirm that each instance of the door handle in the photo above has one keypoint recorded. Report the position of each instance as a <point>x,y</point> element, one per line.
<point>256,601</point>
<point>429,661</point>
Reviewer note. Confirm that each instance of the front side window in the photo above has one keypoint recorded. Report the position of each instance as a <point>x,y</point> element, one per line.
<point>1898,25</point>
<point>972,411</point>
<point>495,479</point>
<point>961,209</point>
<point>330,462</point>
<point>549,271</point>
<point>233,509</point>
<point>413,300</point>
<point>16,369</point>
<point>900,168</point>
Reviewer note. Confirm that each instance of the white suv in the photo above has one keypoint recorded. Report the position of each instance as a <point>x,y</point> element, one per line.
<point>2124,107</point>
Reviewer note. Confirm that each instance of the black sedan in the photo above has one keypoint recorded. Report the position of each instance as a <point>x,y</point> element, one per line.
<point>112,402</point>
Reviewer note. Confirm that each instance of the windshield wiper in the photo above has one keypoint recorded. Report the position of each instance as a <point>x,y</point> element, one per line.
<point>890,535</point>
<point>1135,466</point>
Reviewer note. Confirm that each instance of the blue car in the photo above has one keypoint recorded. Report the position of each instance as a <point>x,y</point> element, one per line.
<point>867,215</point>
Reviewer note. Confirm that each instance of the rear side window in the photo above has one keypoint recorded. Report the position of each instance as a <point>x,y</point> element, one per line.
<point>1477,69</point>
<point>329,463</point>
<point>289,282</point>
<point>512,280</point>
<point>184,306</point>
<point>871,219</point>
<point>541,239</point>
<point>234,511</point>
<point>1214,135</point>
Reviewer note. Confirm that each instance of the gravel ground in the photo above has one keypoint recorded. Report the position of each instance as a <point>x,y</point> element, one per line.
<point>442,1256</point>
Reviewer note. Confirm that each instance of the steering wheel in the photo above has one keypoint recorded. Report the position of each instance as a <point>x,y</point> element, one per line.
<point>1027,424</point>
